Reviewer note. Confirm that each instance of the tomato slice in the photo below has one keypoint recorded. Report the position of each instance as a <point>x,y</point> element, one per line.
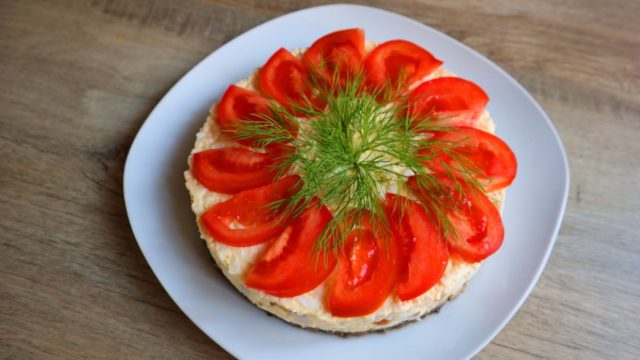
<point>423,254</point>
<point>229,170</point>
<point>250,208</point>
<point>366,274</point>
<point>397,64</point>
<point>238,105</point>
<point>495,164</point>
<point>341,51</point>
<point>284,78</point>
<point>290,266</point>
<point>457,101</point>
<point>477,221</point>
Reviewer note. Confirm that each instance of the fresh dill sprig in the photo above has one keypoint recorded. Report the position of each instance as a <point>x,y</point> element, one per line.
<point>354,150</point>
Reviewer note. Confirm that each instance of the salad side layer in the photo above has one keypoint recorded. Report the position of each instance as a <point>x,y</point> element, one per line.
<point>352,178</point>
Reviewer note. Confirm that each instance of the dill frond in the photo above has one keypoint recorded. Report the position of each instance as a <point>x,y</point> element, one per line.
<point>353,151</point>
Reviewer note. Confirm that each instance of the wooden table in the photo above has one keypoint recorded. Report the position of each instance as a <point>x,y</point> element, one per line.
<point>78,78</point>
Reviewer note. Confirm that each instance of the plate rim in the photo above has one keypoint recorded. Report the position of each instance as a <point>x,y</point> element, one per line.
<point>345,7</point>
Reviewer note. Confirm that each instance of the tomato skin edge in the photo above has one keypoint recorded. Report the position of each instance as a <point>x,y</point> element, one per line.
<point>503,158</point>
<point>228,118</point>
<point>291,272</point>
<point>215,179</point>
<point>427,257</point>
<point>348,301</point>
<point>468,95</point>
<point>248,204</point>
<point>314,59</point>
<point>269,85</point>
<point>241,238</point>
<point>484,214</point>
<point>378,74</point>
<point>493,239</point>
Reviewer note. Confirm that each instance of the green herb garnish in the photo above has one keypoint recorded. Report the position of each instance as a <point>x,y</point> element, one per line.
<point>352,152</point>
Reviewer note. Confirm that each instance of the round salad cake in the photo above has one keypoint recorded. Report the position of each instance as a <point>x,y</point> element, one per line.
<point>352,186</point>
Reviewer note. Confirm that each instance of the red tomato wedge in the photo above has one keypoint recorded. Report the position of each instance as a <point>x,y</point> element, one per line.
<point>290,266</point>
<point>250,208</point>
<point>477,221</point>
<point>229,170</point>
<point>458,101</point>
<point>365,276</point>
<point>397,64</point>
<point>238,105</point>
<point>284,78</point>
<point>341,51</point>
<point>495,164</point>
<point>423,254</point>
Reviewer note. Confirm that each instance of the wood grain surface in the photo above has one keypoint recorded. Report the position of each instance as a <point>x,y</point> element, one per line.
<point>78,78</point>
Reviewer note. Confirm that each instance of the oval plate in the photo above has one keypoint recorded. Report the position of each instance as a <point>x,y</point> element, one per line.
<point>160,215</point>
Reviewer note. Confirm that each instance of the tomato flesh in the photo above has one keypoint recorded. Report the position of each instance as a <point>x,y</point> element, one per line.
<point>365,276</point>
<point>397,64</point>
<point>487,231</point>
<point>230,170</point>
<point>340,51</point>
<point>455,101</point>
<point>290,266</point>
<point>495,164</point>
<point>250,208</point>
<point>284,78</point>
<point>477,221</point>
<point>238,105</point>
<point>423,254</point>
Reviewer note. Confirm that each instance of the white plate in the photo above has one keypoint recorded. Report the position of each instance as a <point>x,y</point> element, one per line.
<point>159,212</point>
